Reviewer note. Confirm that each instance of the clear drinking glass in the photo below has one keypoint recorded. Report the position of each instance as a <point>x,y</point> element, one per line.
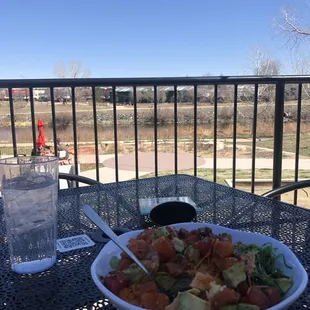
<point>29,188</point>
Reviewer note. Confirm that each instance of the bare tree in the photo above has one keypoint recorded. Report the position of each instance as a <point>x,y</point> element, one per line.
<point>263,63</point>
<point>296,29</point>
<point>205,93</point>
<point>161,95</point>
<point>60,70</point>
<point>301,65</point>
<point>73,69</point>
<point>292,26</point>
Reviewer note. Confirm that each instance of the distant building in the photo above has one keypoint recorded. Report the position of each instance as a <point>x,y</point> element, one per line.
<point>183,93</point>
<point>38,92</point>
<point>23,93</point>
<point>124,95</point>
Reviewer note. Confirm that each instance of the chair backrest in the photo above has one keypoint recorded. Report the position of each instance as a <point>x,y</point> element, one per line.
<point>287,188</point>
<point>73,178</point>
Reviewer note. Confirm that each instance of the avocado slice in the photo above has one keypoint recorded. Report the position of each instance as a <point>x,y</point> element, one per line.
<point>166,281</point>
<point>133,274</point>
<point>235,274</point>
<point>246,307</point>
<point>192,254</point>
<point>284,284</point>
<point>189,301</point>
<point>160,232</point>
<point>178,244</point>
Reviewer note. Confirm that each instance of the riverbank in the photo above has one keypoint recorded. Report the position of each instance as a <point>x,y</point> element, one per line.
<point>145,114</point>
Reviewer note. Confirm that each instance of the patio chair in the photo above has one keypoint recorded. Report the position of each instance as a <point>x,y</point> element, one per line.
<point>287,188</point>
<point>73,178</point>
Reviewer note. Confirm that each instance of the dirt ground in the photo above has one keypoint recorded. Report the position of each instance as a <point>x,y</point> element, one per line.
<point>243,151</point>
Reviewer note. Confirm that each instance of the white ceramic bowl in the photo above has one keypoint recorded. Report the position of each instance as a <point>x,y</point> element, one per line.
<point>101,266</point>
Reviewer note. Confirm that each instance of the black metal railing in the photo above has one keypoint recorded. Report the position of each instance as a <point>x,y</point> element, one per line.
<point>279,82</point>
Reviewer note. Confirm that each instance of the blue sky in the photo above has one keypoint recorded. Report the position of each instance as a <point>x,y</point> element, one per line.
<point>129,38</point>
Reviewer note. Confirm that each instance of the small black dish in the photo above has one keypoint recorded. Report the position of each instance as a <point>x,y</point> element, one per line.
<point>172,212</point>
<point>100,236</point>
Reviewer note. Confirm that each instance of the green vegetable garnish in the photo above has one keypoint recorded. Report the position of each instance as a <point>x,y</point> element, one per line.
<point>284,261</point>
<point>265,270</point>
<point>114,262</point>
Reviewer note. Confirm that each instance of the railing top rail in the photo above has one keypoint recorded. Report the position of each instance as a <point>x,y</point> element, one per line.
<point>154,81</point>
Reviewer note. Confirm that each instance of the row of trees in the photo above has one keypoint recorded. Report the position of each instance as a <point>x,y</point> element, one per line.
<point>261,64</point>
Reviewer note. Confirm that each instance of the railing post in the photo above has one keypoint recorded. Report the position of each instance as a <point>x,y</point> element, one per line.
<point>278,135</point>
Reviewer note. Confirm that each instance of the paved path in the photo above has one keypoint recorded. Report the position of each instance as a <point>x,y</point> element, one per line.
<point>185,161</point>
<point>146,162</point>
<point>166,163</point>
<point>107,175</point>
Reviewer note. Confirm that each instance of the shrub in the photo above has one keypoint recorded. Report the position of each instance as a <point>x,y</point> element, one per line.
<point>163,116</point>
<point>226,114</point>
<point>63,121</point>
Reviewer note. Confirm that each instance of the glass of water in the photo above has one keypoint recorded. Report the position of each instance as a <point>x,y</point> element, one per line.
<point>29,187</point>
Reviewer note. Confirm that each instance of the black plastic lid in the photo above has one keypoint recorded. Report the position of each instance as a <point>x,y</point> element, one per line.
<point>172,212</point>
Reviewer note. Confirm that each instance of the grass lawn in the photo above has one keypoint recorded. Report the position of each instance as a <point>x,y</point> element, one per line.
<point>223,174</point>
<point>85,167</point>
<point>20,150</point>
<point>289,143</point>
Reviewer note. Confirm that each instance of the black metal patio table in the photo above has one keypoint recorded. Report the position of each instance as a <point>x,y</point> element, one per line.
<point>68,284</point>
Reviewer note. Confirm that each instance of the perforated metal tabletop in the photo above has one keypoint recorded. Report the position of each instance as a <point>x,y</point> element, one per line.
<point>68,284</point>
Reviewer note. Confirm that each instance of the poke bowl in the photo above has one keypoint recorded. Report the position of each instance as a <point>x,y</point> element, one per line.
<point>210,267</point>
